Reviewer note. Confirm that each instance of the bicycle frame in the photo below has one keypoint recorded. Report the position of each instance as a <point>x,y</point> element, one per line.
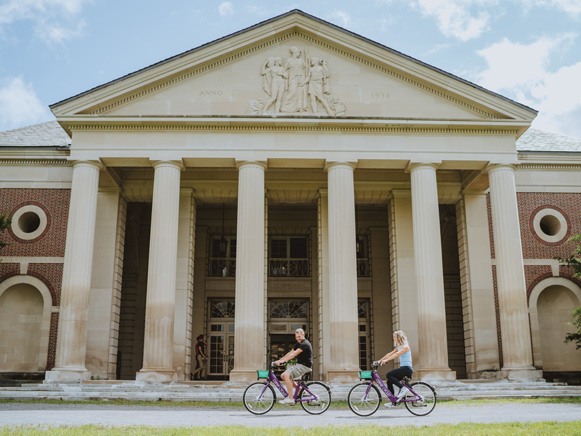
<point>300,386</point>
<point>376,379</point>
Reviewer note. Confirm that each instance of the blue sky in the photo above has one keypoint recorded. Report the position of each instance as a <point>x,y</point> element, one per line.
<point>527,50</point>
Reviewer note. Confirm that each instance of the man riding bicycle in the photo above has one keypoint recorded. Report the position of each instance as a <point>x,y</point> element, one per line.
<point>303,352</point>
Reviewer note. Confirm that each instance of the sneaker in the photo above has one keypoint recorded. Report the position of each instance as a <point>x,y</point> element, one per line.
<point>287,402</point>
<point>389,404</point>
<point>402,393</point>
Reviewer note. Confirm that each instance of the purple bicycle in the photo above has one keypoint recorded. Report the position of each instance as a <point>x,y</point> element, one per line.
<point>314,397</point>
<point>365,398</point>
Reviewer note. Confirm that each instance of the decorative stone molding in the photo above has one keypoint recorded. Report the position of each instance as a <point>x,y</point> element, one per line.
<point>35,163</point>
<point>180,125</point>
<point>30,222</point>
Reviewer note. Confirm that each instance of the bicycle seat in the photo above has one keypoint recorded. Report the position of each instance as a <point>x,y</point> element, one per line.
<point>407,378</point>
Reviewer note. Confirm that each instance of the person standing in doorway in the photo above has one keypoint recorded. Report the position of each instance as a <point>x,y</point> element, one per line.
<point>403,351</point>
<point>201,358</point>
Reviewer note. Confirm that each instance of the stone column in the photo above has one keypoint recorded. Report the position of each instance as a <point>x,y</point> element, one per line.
<point>184,285</point>
<point>512,300</point>
<point>343,323</point>
<point>76,286</point>
<point>433,352</point>
<point>105,300</point>
<point>249,344</point>
<point>323,282</point>
<point>477,287</point>
<point>404,290</point>
<point>161,276</point>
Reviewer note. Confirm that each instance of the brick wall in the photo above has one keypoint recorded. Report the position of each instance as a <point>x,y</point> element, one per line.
<point>529,203</point>
<point>55,204</point>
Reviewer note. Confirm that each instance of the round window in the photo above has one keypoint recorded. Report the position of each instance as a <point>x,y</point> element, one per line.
<point>29,222</point>
<point>550,225</point>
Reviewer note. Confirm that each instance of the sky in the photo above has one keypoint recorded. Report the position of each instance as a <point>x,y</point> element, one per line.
<point>526,50</point>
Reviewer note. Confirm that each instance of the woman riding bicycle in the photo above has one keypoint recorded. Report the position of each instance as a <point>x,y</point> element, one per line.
<point>403,351</point>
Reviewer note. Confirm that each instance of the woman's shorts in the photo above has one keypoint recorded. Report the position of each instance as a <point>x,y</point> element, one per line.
<point>296,371</point>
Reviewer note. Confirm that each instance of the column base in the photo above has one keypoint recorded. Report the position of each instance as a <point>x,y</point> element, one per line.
<point>342,376</point>
<point>156,376</point>
<point>243,376</point>
<point>435,374</point>
<point>522,374</point>
<point>67,375</point>
<point>491,374</point>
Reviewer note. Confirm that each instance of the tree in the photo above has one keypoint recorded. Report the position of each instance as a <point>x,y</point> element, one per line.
<point>4,224</point>
<point>574,261</point>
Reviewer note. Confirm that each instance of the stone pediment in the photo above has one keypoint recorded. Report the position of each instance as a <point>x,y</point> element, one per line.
<point>293,66</point>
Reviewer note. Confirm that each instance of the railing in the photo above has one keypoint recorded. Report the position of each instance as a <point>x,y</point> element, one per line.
<point>222,267</point>
<point>363,267</point>
<point>288,268</point>
<point>226,267</point>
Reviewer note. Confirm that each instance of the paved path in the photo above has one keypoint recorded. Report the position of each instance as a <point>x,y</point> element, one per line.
<point>13,414</point>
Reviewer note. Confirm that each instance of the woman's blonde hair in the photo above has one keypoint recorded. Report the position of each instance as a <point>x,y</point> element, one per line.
<point>401,337</point>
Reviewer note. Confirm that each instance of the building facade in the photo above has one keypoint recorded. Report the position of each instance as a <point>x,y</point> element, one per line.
<point>290,175</point>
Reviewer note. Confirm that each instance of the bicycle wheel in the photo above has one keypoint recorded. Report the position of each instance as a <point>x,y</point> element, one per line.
<point>259,398</point>
<point>319,398</point>
<point>364,403</point>
<point>422,403</point>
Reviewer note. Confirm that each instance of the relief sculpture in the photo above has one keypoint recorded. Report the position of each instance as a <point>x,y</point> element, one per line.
<point>297,85</point>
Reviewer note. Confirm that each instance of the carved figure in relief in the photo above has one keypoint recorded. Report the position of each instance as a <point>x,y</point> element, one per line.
<point>277,80</point>
<point>301,86</point>
<point>317,79</point>
<point>295,97</point>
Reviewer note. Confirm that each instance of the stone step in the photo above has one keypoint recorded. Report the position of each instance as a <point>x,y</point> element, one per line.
<point>224,391</point>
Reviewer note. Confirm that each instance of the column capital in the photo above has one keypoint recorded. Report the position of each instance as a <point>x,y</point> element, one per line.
<point>246,163</point>
<point>340,164</point>
<point>412,166</point>
<point>167,163</point>
<point>497,167</point>
<point>88,163</point>
<point>323,192</point>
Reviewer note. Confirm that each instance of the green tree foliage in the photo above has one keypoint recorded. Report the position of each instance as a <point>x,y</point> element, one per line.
<point>4,224</point>
<point>575,336</point>
<point>574,261</point>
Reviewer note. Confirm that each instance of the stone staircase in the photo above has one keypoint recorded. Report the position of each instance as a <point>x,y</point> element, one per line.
<point>229,392</point>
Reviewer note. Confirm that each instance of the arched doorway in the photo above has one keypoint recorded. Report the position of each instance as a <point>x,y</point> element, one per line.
<point>551,304</point>
<point>24,323</point>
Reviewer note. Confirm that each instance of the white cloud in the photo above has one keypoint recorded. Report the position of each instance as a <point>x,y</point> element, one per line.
<point>55,21</point>
<point>225,9</point>
<point>19,105</point>
<point>342,18</point>
<point>571,7</point>
<point>58,34</point>
<point>455,17</point>
<point>522,73</point>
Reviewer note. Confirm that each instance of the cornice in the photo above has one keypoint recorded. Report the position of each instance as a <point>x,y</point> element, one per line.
<point>289,125</point>
<point>34,163</point>
<point>550,166</point>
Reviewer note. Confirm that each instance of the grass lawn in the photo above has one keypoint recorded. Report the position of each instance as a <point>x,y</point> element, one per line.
<point>528,429</point>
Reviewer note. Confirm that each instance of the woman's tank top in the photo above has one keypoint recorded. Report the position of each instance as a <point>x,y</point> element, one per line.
<point>406,358</point>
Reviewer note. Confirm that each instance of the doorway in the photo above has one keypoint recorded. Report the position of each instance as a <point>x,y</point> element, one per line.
<point>220,338</point>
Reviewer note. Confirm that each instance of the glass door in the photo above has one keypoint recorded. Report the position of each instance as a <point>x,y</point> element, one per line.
<point>221,338</point>
<point>221,349</point>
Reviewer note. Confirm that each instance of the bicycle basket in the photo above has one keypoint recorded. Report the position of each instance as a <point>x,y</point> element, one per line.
<point>262,374</point>
<point>364,375</point>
